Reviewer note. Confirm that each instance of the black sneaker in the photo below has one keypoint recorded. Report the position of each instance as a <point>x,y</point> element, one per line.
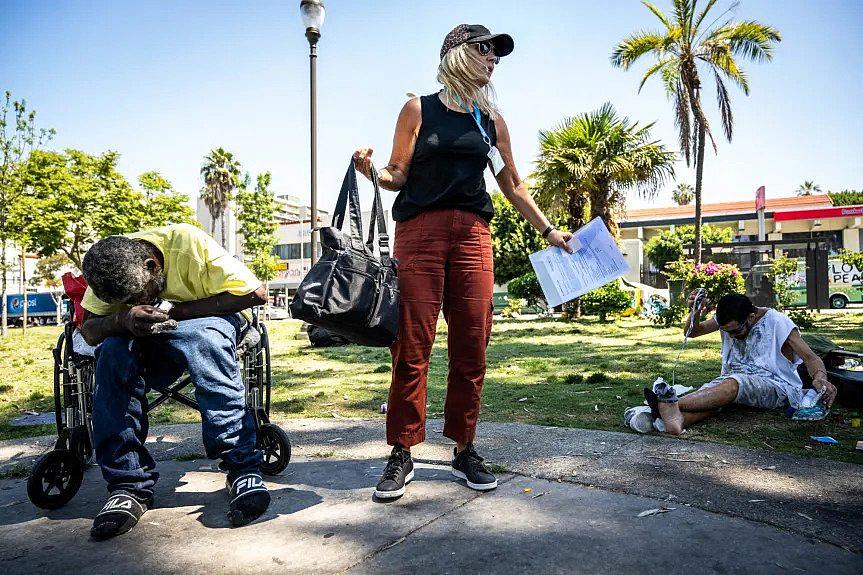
<point>468,465</point>
<point>398,472</point>
<point>249,498</point>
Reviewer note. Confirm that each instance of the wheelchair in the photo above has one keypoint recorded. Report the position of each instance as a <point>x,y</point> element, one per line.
<point>57,475</point>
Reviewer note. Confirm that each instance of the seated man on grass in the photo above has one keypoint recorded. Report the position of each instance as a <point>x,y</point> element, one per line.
<point>761,350</point>
<point>141,346</point>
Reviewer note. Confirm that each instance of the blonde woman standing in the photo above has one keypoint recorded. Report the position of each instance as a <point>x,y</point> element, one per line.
<point>443,143</point>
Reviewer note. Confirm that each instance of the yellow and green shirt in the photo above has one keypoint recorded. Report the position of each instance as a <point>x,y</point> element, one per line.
<point>196,267</point>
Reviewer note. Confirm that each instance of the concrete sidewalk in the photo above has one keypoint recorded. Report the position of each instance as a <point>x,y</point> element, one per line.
<point>568,502</point>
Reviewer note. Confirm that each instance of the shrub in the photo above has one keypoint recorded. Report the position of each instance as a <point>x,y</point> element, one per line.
<point>526,287</point>
<point>610,298</point>
<point>782,275</point>
<point>513,307</point>
<point>717,279</point>
<point>670,316</point>
<point>802,318</point>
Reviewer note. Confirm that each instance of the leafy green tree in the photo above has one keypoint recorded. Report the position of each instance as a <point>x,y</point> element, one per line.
<point>77,199</point>
<point>221,173</point>
<point>694,41</point>
<point>808,188</point>
<point>846,198</point>
<point>682,194</point>
<point>667,246</point>
<point>257,218</point>
<point>593,160</point>
<point>163,205</point>
<point>513,238</point>
<point>18,138</point>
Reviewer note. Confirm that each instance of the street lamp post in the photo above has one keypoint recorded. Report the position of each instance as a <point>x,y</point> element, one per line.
<point>313,13</point>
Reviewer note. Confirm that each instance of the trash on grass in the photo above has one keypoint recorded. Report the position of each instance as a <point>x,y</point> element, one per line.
<point>528,489</point>
<point>656,511</point>
<point>823,439</point>
<point>803,515</point>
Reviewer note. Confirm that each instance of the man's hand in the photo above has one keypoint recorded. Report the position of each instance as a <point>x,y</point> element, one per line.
<point>820,383</point>
<point>139,320</point>
<point>706,305</point>
<point>560,239</point>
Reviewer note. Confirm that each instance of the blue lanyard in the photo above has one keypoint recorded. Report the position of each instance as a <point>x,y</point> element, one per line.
<point>477,116</point>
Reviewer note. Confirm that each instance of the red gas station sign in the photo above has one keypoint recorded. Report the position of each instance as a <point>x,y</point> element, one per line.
<point>819,213</point>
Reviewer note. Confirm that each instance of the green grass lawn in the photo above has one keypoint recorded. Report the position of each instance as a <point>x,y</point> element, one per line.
<point>545,372</point>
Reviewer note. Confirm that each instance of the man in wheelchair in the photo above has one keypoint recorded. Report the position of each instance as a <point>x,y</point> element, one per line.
<point>141,345</point>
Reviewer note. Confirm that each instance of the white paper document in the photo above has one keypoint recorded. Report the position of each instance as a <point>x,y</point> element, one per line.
<point>596,260</point>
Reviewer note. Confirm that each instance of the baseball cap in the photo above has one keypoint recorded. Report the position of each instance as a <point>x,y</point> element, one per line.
<point>503,43</point>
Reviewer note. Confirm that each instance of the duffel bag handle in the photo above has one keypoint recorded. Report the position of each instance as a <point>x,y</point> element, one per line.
<point>349,199</point>
<point>379,220</point>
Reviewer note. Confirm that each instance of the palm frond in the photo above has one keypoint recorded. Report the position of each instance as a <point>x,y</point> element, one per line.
<point>720,58</point>
<point>634,47</point>
<point>724,101</point>
<point>658,13</point>
<point>653,70</point>
<point>750,39</point>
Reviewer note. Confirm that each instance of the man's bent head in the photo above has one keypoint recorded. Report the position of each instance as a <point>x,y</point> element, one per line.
<point>123,270</point>
<point>735,314</point>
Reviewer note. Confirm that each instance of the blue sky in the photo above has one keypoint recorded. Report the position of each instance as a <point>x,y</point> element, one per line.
<point>165,82</point>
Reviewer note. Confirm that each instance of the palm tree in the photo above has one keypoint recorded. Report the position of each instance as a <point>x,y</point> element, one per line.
<point>589,162</point>
<point>221,173</point>
<point>691,43</point>
<point>808,188</point>
<point>682,194</point>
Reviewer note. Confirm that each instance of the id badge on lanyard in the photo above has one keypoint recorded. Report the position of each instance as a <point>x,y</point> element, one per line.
<point>495,160</point>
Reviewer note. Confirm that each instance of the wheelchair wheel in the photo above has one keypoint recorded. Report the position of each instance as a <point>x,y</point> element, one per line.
<point>274,442</point>
<point>55,479</point>
<point>79,444</point>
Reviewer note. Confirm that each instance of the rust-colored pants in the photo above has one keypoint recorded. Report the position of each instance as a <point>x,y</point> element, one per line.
<point>445,259</point>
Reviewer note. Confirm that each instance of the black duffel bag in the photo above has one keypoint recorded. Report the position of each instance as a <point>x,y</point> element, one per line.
<point>349,291</point>
<point>320,337</point>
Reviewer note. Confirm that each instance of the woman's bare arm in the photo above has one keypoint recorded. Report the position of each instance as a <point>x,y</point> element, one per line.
<point>394,175</point>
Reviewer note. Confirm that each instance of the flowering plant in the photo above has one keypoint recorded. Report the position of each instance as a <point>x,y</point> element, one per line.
<point>717,279</point>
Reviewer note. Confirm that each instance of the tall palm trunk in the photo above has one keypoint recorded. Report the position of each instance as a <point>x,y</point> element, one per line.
<point>600,207</point>
<point>699,172</point>
<point>222,225</point>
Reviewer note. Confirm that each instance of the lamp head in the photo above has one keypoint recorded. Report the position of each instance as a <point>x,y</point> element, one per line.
<point>313,13</point>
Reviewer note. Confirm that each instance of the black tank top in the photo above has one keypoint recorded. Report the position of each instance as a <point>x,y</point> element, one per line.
<point>447,166</point>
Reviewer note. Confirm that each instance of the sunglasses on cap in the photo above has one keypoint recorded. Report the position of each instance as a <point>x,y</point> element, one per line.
<point>484,48</point>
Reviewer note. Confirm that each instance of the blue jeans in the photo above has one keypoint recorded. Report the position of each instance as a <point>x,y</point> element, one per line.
<point>127,367</point>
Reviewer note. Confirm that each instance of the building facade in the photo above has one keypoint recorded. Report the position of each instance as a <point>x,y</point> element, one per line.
<point>788,218</point>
